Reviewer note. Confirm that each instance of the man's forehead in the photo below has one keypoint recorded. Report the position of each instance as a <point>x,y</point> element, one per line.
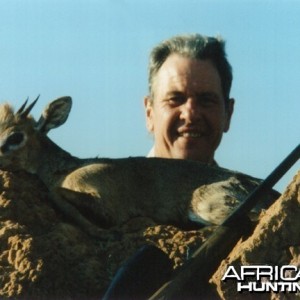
<point>179,72</point>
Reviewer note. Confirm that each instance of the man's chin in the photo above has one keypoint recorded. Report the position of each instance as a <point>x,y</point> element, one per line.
<point>193,149</point>
<point>195,156</point>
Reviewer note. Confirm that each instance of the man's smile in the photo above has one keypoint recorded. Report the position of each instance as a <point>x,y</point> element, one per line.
<point>190,132</point>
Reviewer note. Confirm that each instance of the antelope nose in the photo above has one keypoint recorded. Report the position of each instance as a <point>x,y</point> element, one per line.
<point>4,149</point>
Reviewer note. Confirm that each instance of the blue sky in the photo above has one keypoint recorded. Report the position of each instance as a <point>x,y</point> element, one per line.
<point>97,52</point>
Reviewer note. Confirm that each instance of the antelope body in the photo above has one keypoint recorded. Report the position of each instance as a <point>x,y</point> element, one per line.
<point>114,190</point>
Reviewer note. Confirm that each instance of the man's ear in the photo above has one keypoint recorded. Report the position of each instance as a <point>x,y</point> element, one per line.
<point>148,104</point>
<point>229,111</point>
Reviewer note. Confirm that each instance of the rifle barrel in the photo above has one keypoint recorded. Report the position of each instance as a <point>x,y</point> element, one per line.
<point>264,187</point>
<point>207,258</point>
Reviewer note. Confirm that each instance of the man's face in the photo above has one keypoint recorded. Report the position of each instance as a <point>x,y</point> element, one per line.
<point>187,114</point>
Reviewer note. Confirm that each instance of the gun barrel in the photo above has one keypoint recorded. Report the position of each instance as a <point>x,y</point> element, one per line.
<point>257,195</point>
<point>207,258</point>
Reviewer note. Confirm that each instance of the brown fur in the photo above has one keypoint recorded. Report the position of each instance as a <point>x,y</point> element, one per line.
<point>108,192</point>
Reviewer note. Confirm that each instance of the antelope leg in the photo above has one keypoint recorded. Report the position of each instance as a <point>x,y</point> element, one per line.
<point>64,199</point>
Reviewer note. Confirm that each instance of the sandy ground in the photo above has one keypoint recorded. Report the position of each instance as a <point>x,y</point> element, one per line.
<point>44,256</point>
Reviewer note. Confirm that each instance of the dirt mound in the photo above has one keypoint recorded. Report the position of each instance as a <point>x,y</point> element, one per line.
<point>275,242</point>
<point>44,256</point>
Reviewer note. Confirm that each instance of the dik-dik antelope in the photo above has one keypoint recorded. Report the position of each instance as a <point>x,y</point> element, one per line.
<point>116,190</point>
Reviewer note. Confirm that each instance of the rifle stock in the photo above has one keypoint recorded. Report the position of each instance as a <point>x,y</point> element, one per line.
<point>208,257</point>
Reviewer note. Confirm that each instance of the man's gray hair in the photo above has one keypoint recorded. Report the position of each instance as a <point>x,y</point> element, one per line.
<point>194,46</point>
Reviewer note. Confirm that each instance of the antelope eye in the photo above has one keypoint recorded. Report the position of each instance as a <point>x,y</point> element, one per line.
<point>15,139</point>
<point>13,142</point>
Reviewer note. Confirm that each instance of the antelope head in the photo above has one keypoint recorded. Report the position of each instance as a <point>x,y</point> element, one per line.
<point>20,134</point>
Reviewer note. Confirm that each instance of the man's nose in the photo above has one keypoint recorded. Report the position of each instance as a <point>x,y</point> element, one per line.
<point>191,110</point>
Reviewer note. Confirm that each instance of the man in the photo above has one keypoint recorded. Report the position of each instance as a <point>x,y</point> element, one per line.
<point>188,107</point>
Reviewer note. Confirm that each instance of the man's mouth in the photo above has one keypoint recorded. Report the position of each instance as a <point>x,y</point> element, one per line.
<point>190,134</point>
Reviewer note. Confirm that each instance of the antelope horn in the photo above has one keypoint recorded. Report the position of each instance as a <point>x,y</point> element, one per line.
<point>22,107</point>
<point>29,108</point>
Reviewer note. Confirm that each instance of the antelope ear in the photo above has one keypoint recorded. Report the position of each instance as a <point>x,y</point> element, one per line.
<point>55,114</point>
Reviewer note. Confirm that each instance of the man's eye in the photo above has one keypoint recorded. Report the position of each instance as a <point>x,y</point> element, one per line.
<point>176,100</point>
<point>208,101</point>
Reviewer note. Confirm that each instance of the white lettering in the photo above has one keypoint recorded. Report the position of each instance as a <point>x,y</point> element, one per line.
<point>247,287</point>
<point>297,277</point>
<point>284,270</point>
<point>248,271</point>
<point>228,276</point>
<point>276,273</point>
<point>260,287</point>
<point>264,271</point>
<point>261,278</point>
<point>285,286</point>
<point>270,286</point>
